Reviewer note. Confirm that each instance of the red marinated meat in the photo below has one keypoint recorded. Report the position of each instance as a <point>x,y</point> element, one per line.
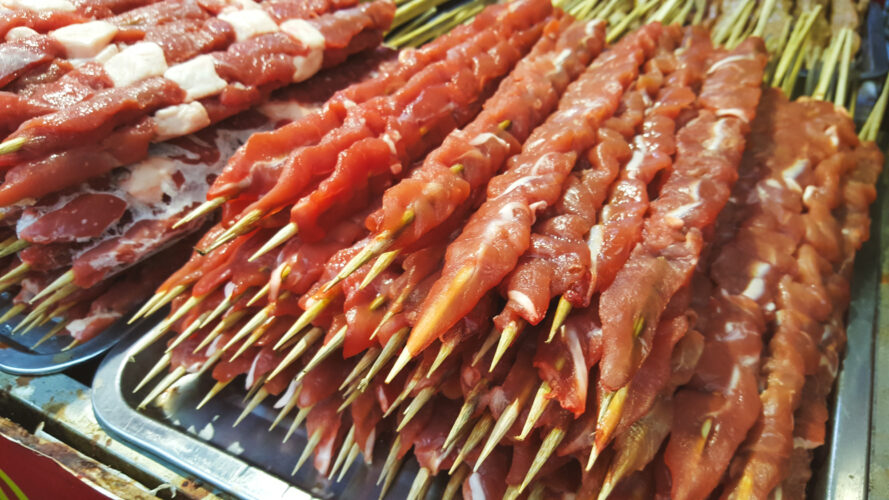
<point>499,232</point>
<point>433,191</point>
<point>19,56</point>
<point>709,150</point>
<point>86,216</point>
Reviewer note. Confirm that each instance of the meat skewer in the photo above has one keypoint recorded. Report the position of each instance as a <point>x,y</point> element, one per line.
<point>511,431</point>
<point>303,50</point>
<point>510,199</point>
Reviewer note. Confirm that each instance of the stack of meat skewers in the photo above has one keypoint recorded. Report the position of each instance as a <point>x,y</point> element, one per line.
<point>119,114</point>
<point>542,262</point>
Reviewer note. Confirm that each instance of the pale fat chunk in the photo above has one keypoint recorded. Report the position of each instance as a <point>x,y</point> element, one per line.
<point>249,23</point>
<point>20,32</point>
<point>308,35</point>
<point>179,120</point>
<point>85,39</point>
<point>40,5</point>
<point>197,77</point>
<point>136,62</point>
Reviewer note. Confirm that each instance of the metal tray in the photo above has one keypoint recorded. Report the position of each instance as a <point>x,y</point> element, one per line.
<point>19,358</point>
<point>250,462</point>
<point>247,461</point>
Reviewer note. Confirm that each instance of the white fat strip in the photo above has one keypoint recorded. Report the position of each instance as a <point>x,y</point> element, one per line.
<point>594,244</point>
<point>249,23</point>
<point>560,59</point>
<point>228,289</point>
<point>179,120</point>
<point>733,331</point>
<point>197,77</point>
<point>307,34</point>
<point>485,137</point>
<point>150,179</point>
<point>241,5</point>
<point>831,367</point>
<point>639,151</point>
<point>755,289</point>
<point>106,54</point>
<point>85,39</point>
<point>390,142</point>
<point>368,446</point>
<point>759,269</point>
<point>806,444</point>
<point>521,300</point>
<point>20,33</point>
<point>476,490</point>
<point>78,326</point>
<point>718,136</point>
<point>135,63</point>
<point>324,453</point>
<point>832,134</point>
<point>792,173</point>
<point>286,110</point>
<point>573,342</point>
<point>734,381</point>
<point>251,374</point>
<point>591,26</point>
<point>808,194</point>
<point>729,60</point>
<point>526,179</point>
<point>40,5</point>
<point>214,346</point>
<point>733,113</point>
<point>288,394</point>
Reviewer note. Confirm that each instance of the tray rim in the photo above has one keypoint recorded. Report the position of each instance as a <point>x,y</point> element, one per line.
<point>125,424</point>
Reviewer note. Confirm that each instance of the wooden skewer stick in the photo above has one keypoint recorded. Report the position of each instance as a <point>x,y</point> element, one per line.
<point>216,389</point>
<point>61,281</point>
<point>314,439</point>
<point>345,447</point>
<point>563,309</point>
<point>416,405</point>
<point>283,235</point>
<point>243,226</point>
<point>203,209</point>
<point>326,350</point>
<point>393,344</point>
<point>162,386</point>
<point>12,145</point>
<point>158,367</point>
<point>309,315</point>
<point>547,448</point>
<point>538,406</point>
<point>479,431</point>
<point>420,484</point>
<point>257,398</point>
<point>298,419</point>
<point>507,337</point>
<point>298,350</point>
<point>353,454</point>
<point>50,334</point>
<point>455,482</point>
<point>383,261</point>
<point>157,301</point>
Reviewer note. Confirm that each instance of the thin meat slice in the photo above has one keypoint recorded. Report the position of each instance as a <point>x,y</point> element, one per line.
<point>709,150</point>
<point>499,232</point>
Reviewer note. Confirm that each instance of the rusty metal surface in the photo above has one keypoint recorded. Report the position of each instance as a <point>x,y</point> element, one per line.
<point>61,407</point>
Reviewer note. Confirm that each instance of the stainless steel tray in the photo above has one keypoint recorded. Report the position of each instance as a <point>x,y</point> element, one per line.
<point>19,358</point>
<point>247,461</point>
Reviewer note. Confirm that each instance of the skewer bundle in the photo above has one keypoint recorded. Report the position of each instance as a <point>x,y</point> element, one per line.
<point>598,264</point>
<point>117,124</point>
